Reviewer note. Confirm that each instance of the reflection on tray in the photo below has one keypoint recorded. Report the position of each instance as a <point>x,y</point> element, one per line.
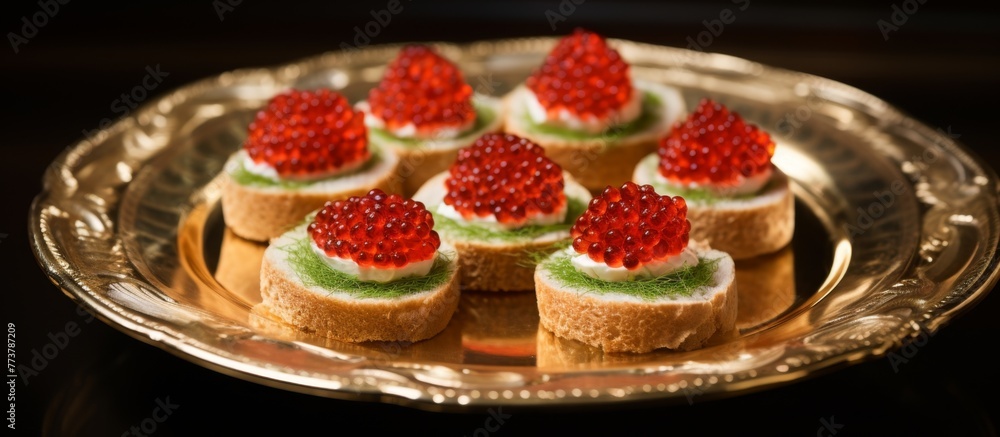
<point>499,328</point>
<point>766,286</point>
<point>558,352</point>
<point>239,266</point>
<point>444,347</point>
<point>502,328</point>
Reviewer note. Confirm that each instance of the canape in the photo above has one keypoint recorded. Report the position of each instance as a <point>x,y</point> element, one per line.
<point>738,201</point>
<point>304,148</point>
<point>631,282</point>
<point>367,268</point>
<point>584,107</point>
<point>501,204</point>
<point>424,111</point>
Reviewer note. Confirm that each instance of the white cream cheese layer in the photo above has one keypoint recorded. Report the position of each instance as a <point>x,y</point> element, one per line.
<point>745,185</point>
<point>666,266</point>
<point>556,217</point>
<point>409,130</point>
<point>590,124</point>
<point>372,273</point>
<point>266,170</point>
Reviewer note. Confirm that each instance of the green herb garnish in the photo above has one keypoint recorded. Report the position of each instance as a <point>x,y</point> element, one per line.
<point>314,272</point>
<point>652,108</point>
<point>472,231</point>
<point>679,283</point>
<point>704,196</point>
<point>693,195</point>
<point>245,177</point>
<point>484,116</point>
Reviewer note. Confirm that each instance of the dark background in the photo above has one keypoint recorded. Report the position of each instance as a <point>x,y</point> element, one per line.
<point>941,66</point>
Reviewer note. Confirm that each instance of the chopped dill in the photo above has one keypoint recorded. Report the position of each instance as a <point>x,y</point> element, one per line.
<point>652,108</point>
<point>534,257</point>
<point>314,272</point>
<point>484,116</point>
<point>680,283</point>
<point>469,231</point>
<point>690,195</point>
<point>695,195</point>
<point>703,196</point>
<point>247,178</point>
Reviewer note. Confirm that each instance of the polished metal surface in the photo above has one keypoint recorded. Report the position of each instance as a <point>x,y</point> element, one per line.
<point>896,233</point>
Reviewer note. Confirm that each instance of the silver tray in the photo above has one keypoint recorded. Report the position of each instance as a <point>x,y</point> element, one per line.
<point>896,234</point>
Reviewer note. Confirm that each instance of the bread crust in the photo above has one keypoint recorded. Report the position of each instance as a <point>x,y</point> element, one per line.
<point>342,317</point>
<point>617,324</point>
<point>488,267</point>
<point>260,214</point>
<point>560,353</point>
<point>416,166</point>
<point>746,232</point>
<point>597,162</point>
<point>743,228</point>
<point>496,265</point>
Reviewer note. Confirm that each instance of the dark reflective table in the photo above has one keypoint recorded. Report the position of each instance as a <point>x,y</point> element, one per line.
<point>88,63</point>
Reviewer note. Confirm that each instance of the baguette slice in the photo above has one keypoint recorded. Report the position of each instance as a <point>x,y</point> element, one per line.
<point>624,323</point>
<point>419,160</point>
<point>497,265</point>
<point>742,227</point>
<point>339,315</point>
<point>602,159</point>
<point>260,213</point>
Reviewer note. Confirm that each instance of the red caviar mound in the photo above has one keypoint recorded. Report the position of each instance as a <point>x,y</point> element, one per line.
<point>631,226</point>
<point>377,229</point>
<point>303,133</point>
<point>583,76</point>
<point>422,88</point>
<point>505,176</point>
<point>714,145</point>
